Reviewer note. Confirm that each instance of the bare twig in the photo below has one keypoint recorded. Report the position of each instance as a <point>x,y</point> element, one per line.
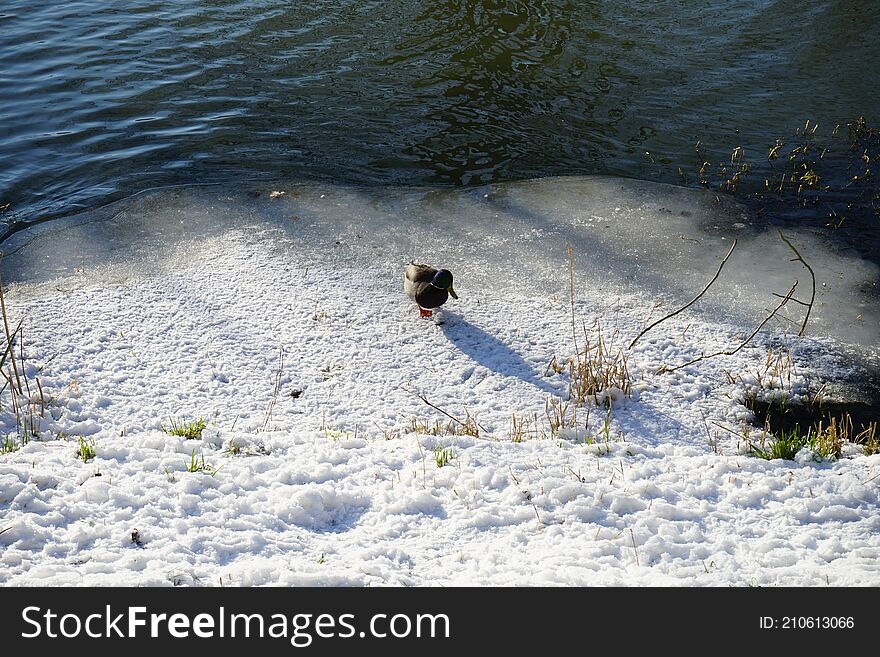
<point>635,549</point>
<point>576,475</point>
<point>812,275</point>
<point>797,301</point>
<point>571,296</point>
<point>728,429</point>
<point>437,408</point>
<point>692,301</point>
<point>665,369</point>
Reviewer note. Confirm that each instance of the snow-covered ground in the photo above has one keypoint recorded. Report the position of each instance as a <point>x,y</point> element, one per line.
<point>313,372</point>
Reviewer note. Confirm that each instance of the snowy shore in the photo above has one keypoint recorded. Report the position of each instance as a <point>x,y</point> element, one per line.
<point>327,458</point>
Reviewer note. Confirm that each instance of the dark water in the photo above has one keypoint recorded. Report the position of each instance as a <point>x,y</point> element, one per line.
<point>103,99</point>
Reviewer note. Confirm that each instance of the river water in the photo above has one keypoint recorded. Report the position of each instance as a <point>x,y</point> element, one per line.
<point>103,99</point>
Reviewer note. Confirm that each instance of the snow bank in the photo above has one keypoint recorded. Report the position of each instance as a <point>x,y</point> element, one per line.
<point>280,319</point>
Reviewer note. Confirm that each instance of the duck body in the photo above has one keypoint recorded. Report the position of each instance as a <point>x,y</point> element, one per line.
<point>428,287</point>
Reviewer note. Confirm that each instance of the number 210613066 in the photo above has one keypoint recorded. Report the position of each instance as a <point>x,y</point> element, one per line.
<point>807,622</point>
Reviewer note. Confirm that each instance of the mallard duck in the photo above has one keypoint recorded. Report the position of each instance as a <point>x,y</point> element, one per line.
<point>428,287</point>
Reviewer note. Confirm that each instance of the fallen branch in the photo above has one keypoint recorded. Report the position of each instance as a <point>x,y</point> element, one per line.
<point>812,275</point>
<point>665,369</point>
<point>692,301</point>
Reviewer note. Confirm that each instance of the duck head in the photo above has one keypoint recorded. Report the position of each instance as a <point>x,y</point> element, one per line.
<point>443,280</point>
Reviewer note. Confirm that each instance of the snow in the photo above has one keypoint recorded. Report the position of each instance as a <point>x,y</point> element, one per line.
<point>308,363</point>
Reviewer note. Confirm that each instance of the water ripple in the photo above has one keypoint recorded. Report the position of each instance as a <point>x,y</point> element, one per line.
<point>107,98</point>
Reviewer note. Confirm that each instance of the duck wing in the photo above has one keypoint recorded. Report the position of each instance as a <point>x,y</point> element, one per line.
<point>416,273</point>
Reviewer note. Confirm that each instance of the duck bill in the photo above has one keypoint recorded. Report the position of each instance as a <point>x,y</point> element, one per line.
<point>452,292</point>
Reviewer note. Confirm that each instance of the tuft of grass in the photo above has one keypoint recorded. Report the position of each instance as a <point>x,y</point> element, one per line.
<point>442,456</point>
<point>606,428</point>
<point>388,434</point>
<point>598,371</point>
<point>469,426</point>
<point>522,428</point>
<point>776,370</point>
<point>736,171</point>
<point>563,415</point>
<point>190,430</point>
<point>12,443</point>
<point>869,439</point>
<point>596,376</point>
<point>838,432</point>
<point>335,435</point>
<point>425,427</point>
<point>199,465</point>
<point>559,417</point>
<point>20,395</point>
<point>826,427</point>
<point>85,450</point>
<point>237,446</point>
<point>826,442</point>
<point>783,446</point>
<point>454,427</point>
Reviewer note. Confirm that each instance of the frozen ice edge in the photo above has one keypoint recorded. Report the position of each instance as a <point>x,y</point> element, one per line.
<point>179,302</point>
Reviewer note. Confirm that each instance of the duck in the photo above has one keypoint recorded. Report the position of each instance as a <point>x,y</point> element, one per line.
<point>428,287</point>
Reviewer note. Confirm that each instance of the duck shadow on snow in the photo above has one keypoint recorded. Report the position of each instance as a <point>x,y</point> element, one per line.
<point>490,352</point>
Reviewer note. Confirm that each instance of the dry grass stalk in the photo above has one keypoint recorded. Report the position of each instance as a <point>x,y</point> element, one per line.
<point>598,368</point>
<point>831,439</point>
<point>27,408</point>
<point>9,338</point>
<point>438,428</point>
<point>869,438</point>
<point>276,389</point>
<point>522,428</point>
<point>776,370</point>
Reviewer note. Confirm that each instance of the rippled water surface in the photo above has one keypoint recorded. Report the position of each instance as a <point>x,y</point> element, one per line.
<point>103,99</point>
